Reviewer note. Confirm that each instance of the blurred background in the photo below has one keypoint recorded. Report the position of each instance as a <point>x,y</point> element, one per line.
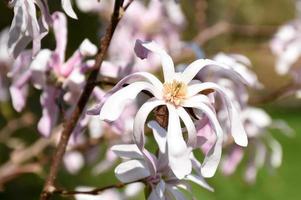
<point>256,21</point>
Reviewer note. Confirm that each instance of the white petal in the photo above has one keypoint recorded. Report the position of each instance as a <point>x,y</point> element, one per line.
<point>195,67</point>
<point>276,154</point>
<point>115,104</point>
<point>178,195</point>
<point>192,134</point>
<point>167,63</point>
<point>127,151</point>
<point>87,48</point>
<point>132,170</point>
<point>213,156</point>
<point>140,119</point>
<point>67,6</point>
<point>200,181</point>
<point>159,135</point>
<point>178,153</point>
<point>237,129</point>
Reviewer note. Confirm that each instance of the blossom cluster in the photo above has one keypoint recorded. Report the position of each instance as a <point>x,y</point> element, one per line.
<point>170,123</point>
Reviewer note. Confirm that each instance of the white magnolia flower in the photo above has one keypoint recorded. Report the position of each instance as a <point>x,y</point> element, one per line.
<point>178,92</point>
<point>140,165</point>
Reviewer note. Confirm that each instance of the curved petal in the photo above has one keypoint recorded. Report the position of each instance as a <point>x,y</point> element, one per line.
<point>60,33</point>
<point>132,170</point>
<point>159,135</point>
<point>140,120</point>
<point>115,104</point>
<point>167,63</point>
<point>158,192</point>
<point>213,156</point>
<point>178,153</point>
<point>195,67</point>
<point>276,154</point>
<point>200,181</point>
<point>237,129</point>
<point>127,151</point>
<point>192,133</point>
<point>67,6</point>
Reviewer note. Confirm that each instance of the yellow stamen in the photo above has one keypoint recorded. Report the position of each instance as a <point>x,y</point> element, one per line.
<point>174,92</point>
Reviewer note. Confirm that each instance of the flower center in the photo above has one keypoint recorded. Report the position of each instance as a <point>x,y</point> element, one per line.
<point>174,92</point>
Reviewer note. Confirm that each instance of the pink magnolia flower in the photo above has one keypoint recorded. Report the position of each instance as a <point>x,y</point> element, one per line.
<point>177,92</point>
<point>265,149</point>
<point>141,165</point>
<point>26,27</point>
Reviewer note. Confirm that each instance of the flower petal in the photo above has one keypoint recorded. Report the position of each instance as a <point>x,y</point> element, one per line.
<point>178,153</point>
<point>200,181</point>
<point>237,129</point>
<point>140,120</point>
<point>167,63</point>
<point>115,104</point>
<point>213,157</point>
<point>159,135</point>
<point>195,67</point>
<point>158,192</point>
<point>192,134</point>
<point>127,151</point>
<point>132,170</point>
<point>67,6</point>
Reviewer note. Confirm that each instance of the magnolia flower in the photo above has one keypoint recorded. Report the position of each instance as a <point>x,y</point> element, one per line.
<point>141,165</point>
<point>26,27</point>
<point>264,148</point>
<point>286,45</point>
<point>177,93</point>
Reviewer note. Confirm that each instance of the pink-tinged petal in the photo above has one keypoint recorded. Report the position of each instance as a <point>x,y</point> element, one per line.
<point>206,137</point>
<point>140,51</point>
<point>237,129</point>
<point>39,66</point>
<point>200,181</point>
<point>195,67</point>
<point>87,48</point>
<point>140,119</point>
<point>115,104</point>
<point>167,63</point>
<point>50,111</point>
<point>60,33</point>
<point>213,157</point>
<point>232,160</point>
<point>158,192</point>
<point>18,91</point>
<point>192,134</point>
<point>127,151</point>
<point>132,170</point>
<point>159,135</point>
<point>178,152</point>
<point>67,6</point>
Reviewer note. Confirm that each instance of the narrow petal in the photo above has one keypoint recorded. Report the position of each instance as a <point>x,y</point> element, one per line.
<point>195,67</point>
<point>67,6</point>
<point>178,195</point>
<point>127,151</point>
<point>167,63</point>
<point>231,162</point>
<point>200,181</point>
<point>132,170</point>
<point>237,129</point>
<point>115,104</point>
<point>159,135</point>
<point>192,134</point>
<point>158,192</point>
<point>276,154</point>
<point>213,157</point>
<point>140,119</point>
<point>60,33</point>
<point>178,153</point>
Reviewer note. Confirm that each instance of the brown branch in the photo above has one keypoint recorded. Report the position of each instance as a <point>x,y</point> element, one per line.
<point>277,94</point>
<point>69,125</point>
<point>95,191</point>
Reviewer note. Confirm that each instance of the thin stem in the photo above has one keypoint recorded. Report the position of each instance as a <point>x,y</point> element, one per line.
<point>69,125</point>
<point>95,191</point>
